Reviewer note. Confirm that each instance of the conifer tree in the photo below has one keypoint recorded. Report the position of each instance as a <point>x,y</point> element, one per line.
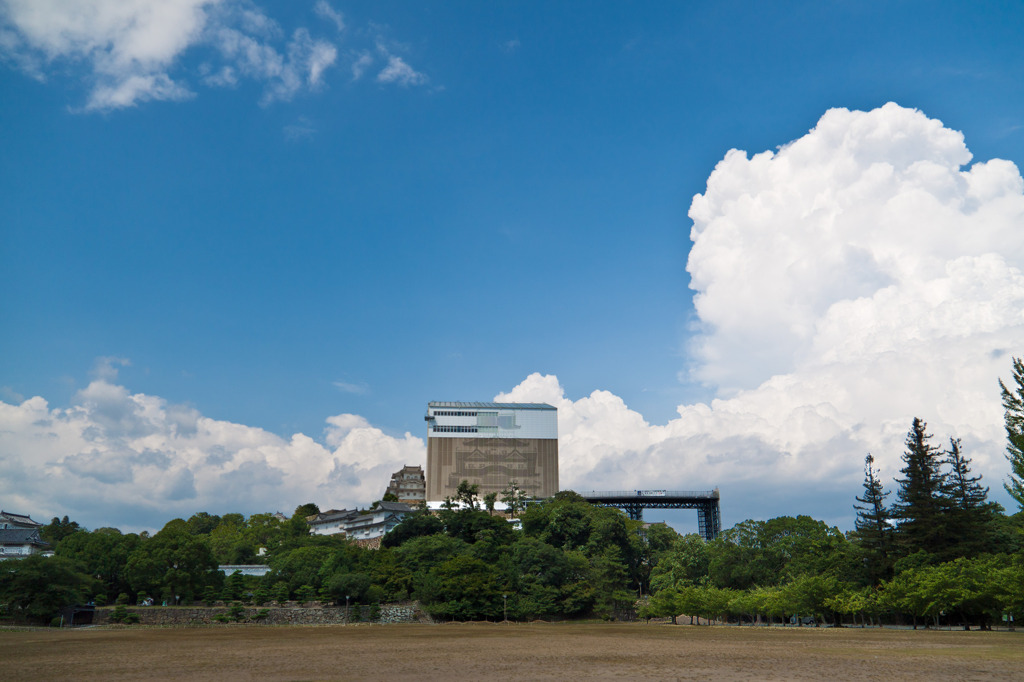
<point>971,515</point>
<point>921,506</point>
<point>873,529</point>
<point>1013,405</point>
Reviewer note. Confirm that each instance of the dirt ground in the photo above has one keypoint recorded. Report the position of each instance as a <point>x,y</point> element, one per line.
<point>508,651</point>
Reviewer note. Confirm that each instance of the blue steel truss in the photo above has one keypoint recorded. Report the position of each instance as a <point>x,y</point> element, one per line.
<point>633,502</point>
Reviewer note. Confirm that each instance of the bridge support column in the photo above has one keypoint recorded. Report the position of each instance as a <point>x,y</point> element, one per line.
<point>635,511</point>
<point>709,521</point>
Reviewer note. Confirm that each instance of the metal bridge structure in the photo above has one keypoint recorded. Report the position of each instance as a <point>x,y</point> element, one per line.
<point>633,502</point>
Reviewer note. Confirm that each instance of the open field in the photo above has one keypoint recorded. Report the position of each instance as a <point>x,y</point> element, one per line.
<point>495,651</point>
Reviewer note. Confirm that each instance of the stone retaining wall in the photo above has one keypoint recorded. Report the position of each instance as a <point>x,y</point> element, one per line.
<point>297,614</point>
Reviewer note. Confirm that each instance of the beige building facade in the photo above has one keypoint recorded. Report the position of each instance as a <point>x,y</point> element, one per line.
<point>491,445</point>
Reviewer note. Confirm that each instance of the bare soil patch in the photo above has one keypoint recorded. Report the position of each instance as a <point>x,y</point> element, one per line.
<point>506,651</point>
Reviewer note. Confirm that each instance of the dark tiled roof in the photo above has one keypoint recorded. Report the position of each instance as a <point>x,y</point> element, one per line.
<point>21,536</point>
<point>395,506</point>
<point>333,515</point>
<point>18,518</point>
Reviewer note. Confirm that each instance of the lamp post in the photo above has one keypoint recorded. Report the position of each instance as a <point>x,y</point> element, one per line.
<point>505,599</point>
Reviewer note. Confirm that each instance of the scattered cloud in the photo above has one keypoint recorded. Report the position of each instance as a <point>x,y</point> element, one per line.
<point>9,394</point>
<point>511,45</point>
<point>132,51</point>
<point>302,129</point>
<point>324,10</point>
<point>397,71</point>
<point>360,64</point>
<point>347,387</point>
<point>107,367</point>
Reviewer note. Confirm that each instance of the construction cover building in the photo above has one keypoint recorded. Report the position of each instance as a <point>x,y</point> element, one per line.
<point>490,445</point>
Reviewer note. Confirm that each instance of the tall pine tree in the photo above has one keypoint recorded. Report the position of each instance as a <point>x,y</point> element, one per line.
<point>873,529</point>
<point>921,503</point>
<point>1013,406</point>
<point>971,517</point>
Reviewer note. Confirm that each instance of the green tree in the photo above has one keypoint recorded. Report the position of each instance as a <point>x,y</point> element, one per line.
<point>468,495</point>
<point>686,562</point>
<point>174,563</point>
<point>415,525</point>
<point>265,531</point>
<point>664,604</point>
<point>921,502</point>
<point>306,510</point>
<point>1013,409</point>
<point>810,595</point>
<point>202,523</point>
<point>537,576</point>
<point>352,586</point>
<point>873,530</point>
<point>58,529</point>
<point>230,542</point>
<point>466,589</point>
<point>514,498</point>
<point>103,554</point>
<point>420,555</point>
<point>971,523</point>
<point>300,566</point>
<point>36,588</point>
<point>765,553</point>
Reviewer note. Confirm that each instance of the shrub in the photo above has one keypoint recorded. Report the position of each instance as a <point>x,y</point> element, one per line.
<point>122,599</point>
<point>236,612</point>
<point>122,615</point>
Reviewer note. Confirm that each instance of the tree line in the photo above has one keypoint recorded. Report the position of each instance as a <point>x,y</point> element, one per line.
<point>939,553</point>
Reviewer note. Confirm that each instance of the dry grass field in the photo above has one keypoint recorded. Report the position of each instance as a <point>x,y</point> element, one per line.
<point>508,652</point>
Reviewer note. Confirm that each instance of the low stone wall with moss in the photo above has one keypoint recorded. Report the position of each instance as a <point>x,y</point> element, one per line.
<point>290,614</point>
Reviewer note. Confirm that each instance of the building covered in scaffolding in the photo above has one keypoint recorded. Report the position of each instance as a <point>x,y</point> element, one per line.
<point>490,445</point>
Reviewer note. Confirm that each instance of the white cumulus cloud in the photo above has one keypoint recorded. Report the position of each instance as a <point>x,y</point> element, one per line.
<point>853,279</point>
<point>135,461</point>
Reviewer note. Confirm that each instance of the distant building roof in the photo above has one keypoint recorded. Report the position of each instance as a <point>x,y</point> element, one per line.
<point>491,406</point>
<point>395,506</point>
<point>21,536</point>
<point>331,515</point>
<point>19,519</point>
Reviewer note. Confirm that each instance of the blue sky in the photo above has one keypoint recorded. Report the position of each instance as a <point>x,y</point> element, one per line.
<point>382,204</point>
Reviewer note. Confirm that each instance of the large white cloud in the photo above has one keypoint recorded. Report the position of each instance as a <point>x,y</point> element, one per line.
<point>846,283</point>
<point>134,461</point>
<point>133,50</point>
<point>851,280</point>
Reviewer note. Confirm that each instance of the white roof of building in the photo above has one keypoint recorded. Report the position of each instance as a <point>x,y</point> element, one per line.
<point>491,406</point>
